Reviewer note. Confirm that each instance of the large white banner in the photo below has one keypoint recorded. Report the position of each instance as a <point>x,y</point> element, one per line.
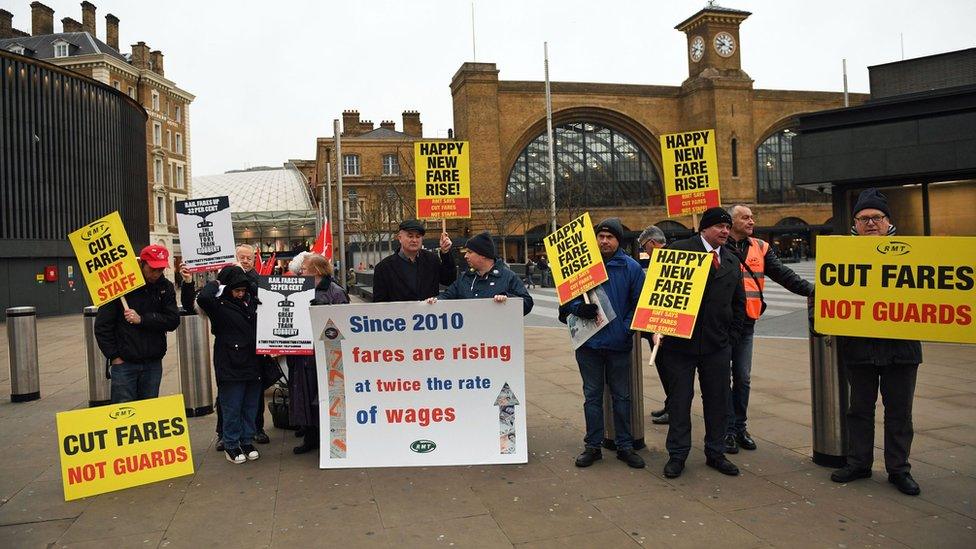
<point>404,384</point>
<point>284,327</point>
<point>206,232</point>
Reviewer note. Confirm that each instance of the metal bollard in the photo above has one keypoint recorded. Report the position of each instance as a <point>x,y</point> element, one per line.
<point>193,340</point>
<point>25,382</point>
<point>829,398</point>
<point>636,401</point>
<point>99,384</point>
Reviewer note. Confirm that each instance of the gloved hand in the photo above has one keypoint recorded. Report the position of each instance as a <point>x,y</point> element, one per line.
<point>586,311</point>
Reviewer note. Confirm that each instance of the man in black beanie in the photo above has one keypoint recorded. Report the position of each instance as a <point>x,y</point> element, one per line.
<point>871,362</point>
<point>717,328</point>
<point>486,277</point>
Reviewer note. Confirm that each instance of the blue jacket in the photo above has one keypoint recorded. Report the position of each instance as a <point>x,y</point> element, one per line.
<point>623,289</point>
<point>498,280</point>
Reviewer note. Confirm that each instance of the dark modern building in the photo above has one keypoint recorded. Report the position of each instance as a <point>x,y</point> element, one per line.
<point>915,138</point>
<point>71,150</point>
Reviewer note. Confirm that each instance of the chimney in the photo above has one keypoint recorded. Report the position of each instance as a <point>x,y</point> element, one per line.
<point>350,123</point>
<point>156,57</point>
<point>112,31</point>
<point>88,17</point>
<point>6,24</point>
<point>388,125</point>
<point>42,19</point>
<point>365,126</point>
<point>70,25</point>
<point>412,125</point>
<point>140,55</point>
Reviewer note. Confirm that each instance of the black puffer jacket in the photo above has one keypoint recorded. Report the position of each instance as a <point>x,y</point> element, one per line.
<point>871,351</point>
<point>234,325</point>
<point>143,342</point>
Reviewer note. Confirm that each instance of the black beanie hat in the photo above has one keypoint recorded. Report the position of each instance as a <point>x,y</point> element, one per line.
<point>233,277</point>
<point>611,225</point>
<point>482,245</point>
<point>871,198</point>
<point>714,216</point>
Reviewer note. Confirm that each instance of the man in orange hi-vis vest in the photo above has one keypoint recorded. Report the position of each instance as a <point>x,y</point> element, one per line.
<point>759,261</point>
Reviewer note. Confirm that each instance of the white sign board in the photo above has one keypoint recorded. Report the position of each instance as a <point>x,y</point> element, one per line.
<point>206,233</point>
<point>284,326</point>
<point>411,384</point>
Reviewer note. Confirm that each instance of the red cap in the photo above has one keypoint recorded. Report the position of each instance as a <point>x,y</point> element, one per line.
<point>155,256</point>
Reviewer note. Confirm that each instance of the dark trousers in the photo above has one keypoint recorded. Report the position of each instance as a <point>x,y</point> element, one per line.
<point>679,385</point>
<point>897,384</point>
<point>613,369</point>
<point>741,376</point>
<point>258,421</point>
<point>239,406</point>
<point>136,381</point>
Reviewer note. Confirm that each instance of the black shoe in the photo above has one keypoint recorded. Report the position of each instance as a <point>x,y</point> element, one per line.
<point>905,483</point>
<point>250,452</point>
<point>662,419</point>
<point>730,446</point>
<point>849,473</point>
<point>722,465</point>
<point>631,458</point>
<point>261,437</point>
<point>745,441</point>
<point>220,445</point>
<point>309,442</point>
<point>588,456</point>
<point>659,413</point>
<point>300,432</point>
<point>674,467</point>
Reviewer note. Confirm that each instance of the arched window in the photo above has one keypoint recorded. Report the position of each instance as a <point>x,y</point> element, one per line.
<point>774,172</point>
<point>595,166</point>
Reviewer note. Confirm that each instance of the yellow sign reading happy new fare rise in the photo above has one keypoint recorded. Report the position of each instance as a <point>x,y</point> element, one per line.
<point>574,256</point>
<point>443,179</point>
<point>690,169</point>
<point>672,292</point>
<point>119,446</point>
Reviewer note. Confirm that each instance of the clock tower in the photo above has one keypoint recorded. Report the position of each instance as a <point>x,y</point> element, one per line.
<point>713,42</point>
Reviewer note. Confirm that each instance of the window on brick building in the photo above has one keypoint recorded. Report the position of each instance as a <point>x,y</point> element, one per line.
<point>132,92</point>
<point>179,143</point>
<point>774,172</point>
<point>161,210</point>
<point>391,166</point>
<point>158,171</point>
<point>61,49</point>
<point>353,211</point>
<point>157,134</point>
<point>116,85</point>
<point>155,101</point>
<point>350,164</point>
<point>169,139</point>
<point>179,178</point>
<point>179,114</point>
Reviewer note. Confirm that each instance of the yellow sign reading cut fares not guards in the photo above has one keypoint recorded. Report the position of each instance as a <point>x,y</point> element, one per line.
<point>574,255</point>
<point>119,446</point>
<point>672,292</point>
<point>107,259</point>
<point>896,287</point>
<point>690,172</point>
<point>443,179</point>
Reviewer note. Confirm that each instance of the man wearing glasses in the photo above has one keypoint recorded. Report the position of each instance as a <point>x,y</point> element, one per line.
<point>892,365</point>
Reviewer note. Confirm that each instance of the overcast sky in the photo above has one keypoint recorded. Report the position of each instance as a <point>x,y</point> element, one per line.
<point>269,77</point>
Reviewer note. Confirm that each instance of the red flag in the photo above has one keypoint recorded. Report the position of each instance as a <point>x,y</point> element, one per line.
<point>268,268</point>
<point>323,243</point>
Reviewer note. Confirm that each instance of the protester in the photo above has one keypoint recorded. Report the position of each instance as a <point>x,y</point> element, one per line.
<point>487,276</point>
<point>529,267</point>
<point>871,362</point>
<point>245,258</point>
<point>650,239</point>
<point>544,271</point>
<point>758,262</point>
<point>413,273</point>
<point>605,356</point>
<point>233,319</point>
<point>296,263</point>
<point>133,338</point>
<point>717,330</point>
<point>303,393</point>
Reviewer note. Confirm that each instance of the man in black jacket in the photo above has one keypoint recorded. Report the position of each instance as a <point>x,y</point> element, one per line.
<point>134,339</point>
<point>413,273</point>
<point>709,350</point>
<point>759,262</point>
<point>870,362</point>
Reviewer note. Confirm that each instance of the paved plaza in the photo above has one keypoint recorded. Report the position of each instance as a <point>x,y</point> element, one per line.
<point>781,498</point>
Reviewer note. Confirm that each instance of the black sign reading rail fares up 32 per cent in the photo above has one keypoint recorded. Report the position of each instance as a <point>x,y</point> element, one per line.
<point>206,232</point>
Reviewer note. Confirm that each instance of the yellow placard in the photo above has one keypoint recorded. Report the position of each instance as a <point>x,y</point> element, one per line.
<point>443,179</point>
<point>119,446</point>
<point>690,172</point>
<point>107,259</point>
<point>896,287</point>
<point>574,256</point>
<point>672,292</point>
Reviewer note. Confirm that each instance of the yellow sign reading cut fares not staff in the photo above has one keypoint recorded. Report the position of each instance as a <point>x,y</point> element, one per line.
<point>896,287</point>
<point>119,446</point>
<point>574,256</point>
<point>443,179</point>
<point>690,172</point>
<point>107,259</point>
<point>672,292</point>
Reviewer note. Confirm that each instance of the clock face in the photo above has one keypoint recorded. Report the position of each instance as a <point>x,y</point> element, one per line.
<point>724,44</point>
<point>697,48</point>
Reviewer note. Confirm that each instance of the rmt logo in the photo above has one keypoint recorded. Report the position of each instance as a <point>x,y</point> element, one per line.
<point>894,247</point>
<point>122,412</point>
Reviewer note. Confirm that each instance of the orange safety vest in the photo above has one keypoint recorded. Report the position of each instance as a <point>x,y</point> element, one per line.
<point>754,283</point>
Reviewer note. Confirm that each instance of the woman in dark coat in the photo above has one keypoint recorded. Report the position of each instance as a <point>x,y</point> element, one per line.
<point>303,389</point>
<point>233,320</point>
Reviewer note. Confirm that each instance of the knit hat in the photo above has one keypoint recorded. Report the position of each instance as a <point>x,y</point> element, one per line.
<point>714,216</point>
<point>482,245</point>
<point>611,225</point>
<point>233,277</point>
<point>412,225</point>
<point>872,198</point>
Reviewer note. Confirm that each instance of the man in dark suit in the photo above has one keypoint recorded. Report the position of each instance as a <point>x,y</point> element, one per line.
<point>413,273</point>
<point>717,328</point>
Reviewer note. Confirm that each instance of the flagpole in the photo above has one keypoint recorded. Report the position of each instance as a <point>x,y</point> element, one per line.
<point>551,146</point>
<point>342,215</point>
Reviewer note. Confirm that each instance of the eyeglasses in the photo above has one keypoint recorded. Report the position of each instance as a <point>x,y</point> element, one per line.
<point>872,219</point>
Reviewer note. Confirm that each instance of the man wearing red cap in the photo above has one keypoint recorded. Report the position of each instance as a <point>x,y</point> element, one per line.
<point>134,339</point>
